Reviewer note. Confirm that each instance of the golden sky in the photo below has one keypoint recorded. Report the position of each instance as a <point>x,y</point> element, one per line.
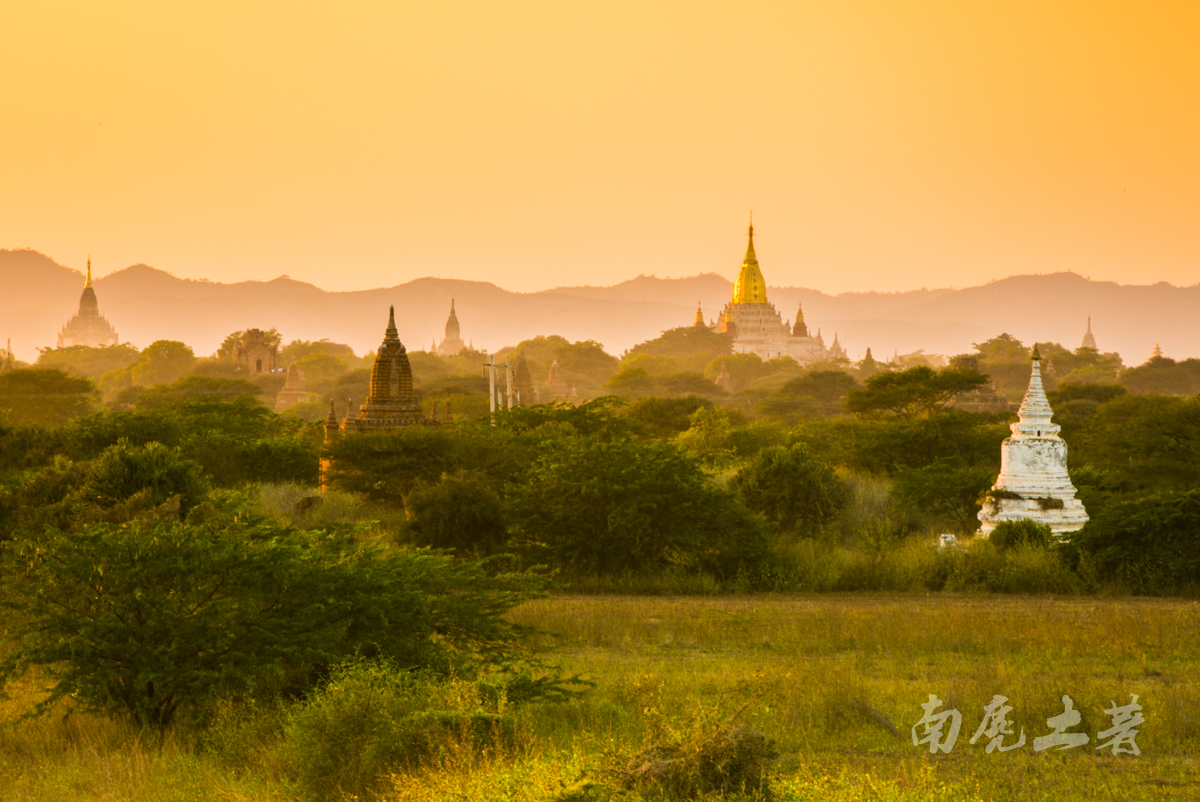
<point>887,145</point>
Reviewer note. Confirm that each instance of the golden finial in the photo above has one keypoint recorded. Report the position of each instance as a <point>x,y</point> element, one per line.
<point>87,282</point>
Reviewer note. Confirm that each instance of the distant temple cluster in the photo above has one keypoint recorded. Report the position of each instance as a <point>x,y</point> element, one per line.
<point>757,327</point>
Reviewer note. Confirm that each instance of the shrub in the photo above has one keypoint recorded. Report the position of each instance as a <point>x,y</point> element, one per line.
<point>371,718</point>
<point>1150,544</point>
<point>722,759</point>
<point>460,512</point>
<point>155,618</point>
<point>1023,532</point>
<point>594,507</point>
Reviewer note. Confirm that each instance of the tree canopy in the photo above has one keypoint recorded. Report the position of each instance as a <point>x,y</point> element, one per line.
<point>916,392</point>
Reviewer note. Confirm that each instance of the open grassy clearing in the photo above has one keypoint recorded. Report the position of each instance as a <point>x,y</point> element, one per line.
<point>836,681</point>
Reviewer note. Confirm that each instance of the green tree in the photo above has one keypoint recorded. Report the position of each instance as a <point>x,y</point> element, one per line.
<point>459,512</point>
<point>592,507</point>
<point>1002,348</point>
<point>80,360</point>
<point>161,395</point>
<point>1165,376</point>
<point>297,350</point>
<point>162,362</point>
<point>154,619</point>
<point>818,393</point>
<point>685,384</point>
<point>946,492</point>
<point>744,369</point>
<point>692,347</point>
<point>1145,442</point>
<point>321,368</point>
<point>665,417</point>
<point>632,383</point>
<point>914,393</point>
<point>793,488</point>
<point>654,365</point>
<point>154,470</point>
<point>45,397</point>
<point>1150,544</point>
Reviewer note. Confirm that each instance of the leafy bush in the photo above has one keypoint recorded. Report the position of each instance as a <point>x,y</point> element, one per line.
<point>371,718</point>
<point>792,488</point>
<point>156,618</point>
<point>1023,532</point>
<point>946,491</point>
<point>459,512</point>
<point>45,397</point>
<point>125,470</point>
<point>664,417</point>
<point>1152,544</point>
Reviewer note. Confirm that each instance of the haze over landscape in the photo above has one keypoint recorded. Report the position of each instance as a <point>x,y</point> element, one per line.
<point>146,304</point>
<point>884,147</point>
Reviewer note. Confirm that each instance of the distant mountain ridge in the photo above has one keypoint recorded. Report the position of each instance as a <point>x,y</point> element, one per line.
<point>38,295</point>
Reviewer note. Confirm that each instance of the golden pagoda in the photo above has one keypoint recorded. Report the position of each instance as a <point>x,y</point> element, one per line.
<point>751,287</point>
<point>754,323</point>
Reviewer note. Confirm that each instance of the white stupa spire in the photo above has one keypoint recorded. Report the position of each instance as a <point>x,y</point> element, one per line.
<point>1035,413</point>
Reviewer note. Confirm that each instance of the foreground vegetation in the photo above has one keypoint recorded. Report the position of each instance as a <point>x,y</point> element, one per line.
<point>832,683</point>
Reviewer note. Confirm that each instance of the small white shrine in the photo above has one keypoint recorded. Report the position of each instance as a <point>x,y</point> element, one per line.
<point>1033,481</point>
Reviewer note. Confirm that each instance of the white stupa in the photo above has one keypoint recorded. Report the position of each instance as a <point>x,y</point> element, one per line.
<point>1033,480</point>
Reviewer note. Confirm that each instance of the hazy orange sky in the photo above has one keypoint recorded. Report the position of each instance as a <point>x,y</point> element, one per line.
<point>888,145</point>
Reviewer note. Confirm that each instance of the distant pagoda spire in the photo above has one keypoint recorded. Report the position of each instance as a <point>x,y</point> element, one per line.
<point>1088,340</point>
<point>452,343</point>
<point>799,328</point>
<point>699,321</point>
<point>1156,353</point>
<point>87,327</point>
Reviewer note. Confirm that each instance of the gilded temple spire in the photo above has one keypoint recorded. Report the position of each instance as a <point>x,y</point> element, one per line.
<point>87,282</point>
<point>750,258</point>
<point>751,287</point>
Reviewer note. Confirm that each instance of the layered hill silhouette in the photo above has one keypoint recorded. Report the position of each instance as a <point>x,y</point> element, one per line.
<point>144,304</point>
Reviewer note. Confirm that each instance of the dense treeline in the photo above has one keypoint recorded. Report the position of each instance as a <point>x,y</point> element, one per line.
<point>725,486</point>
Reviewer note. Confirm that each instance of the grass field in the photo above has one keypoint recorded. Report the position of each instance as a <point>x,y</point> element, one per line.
<point>836,681</point>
